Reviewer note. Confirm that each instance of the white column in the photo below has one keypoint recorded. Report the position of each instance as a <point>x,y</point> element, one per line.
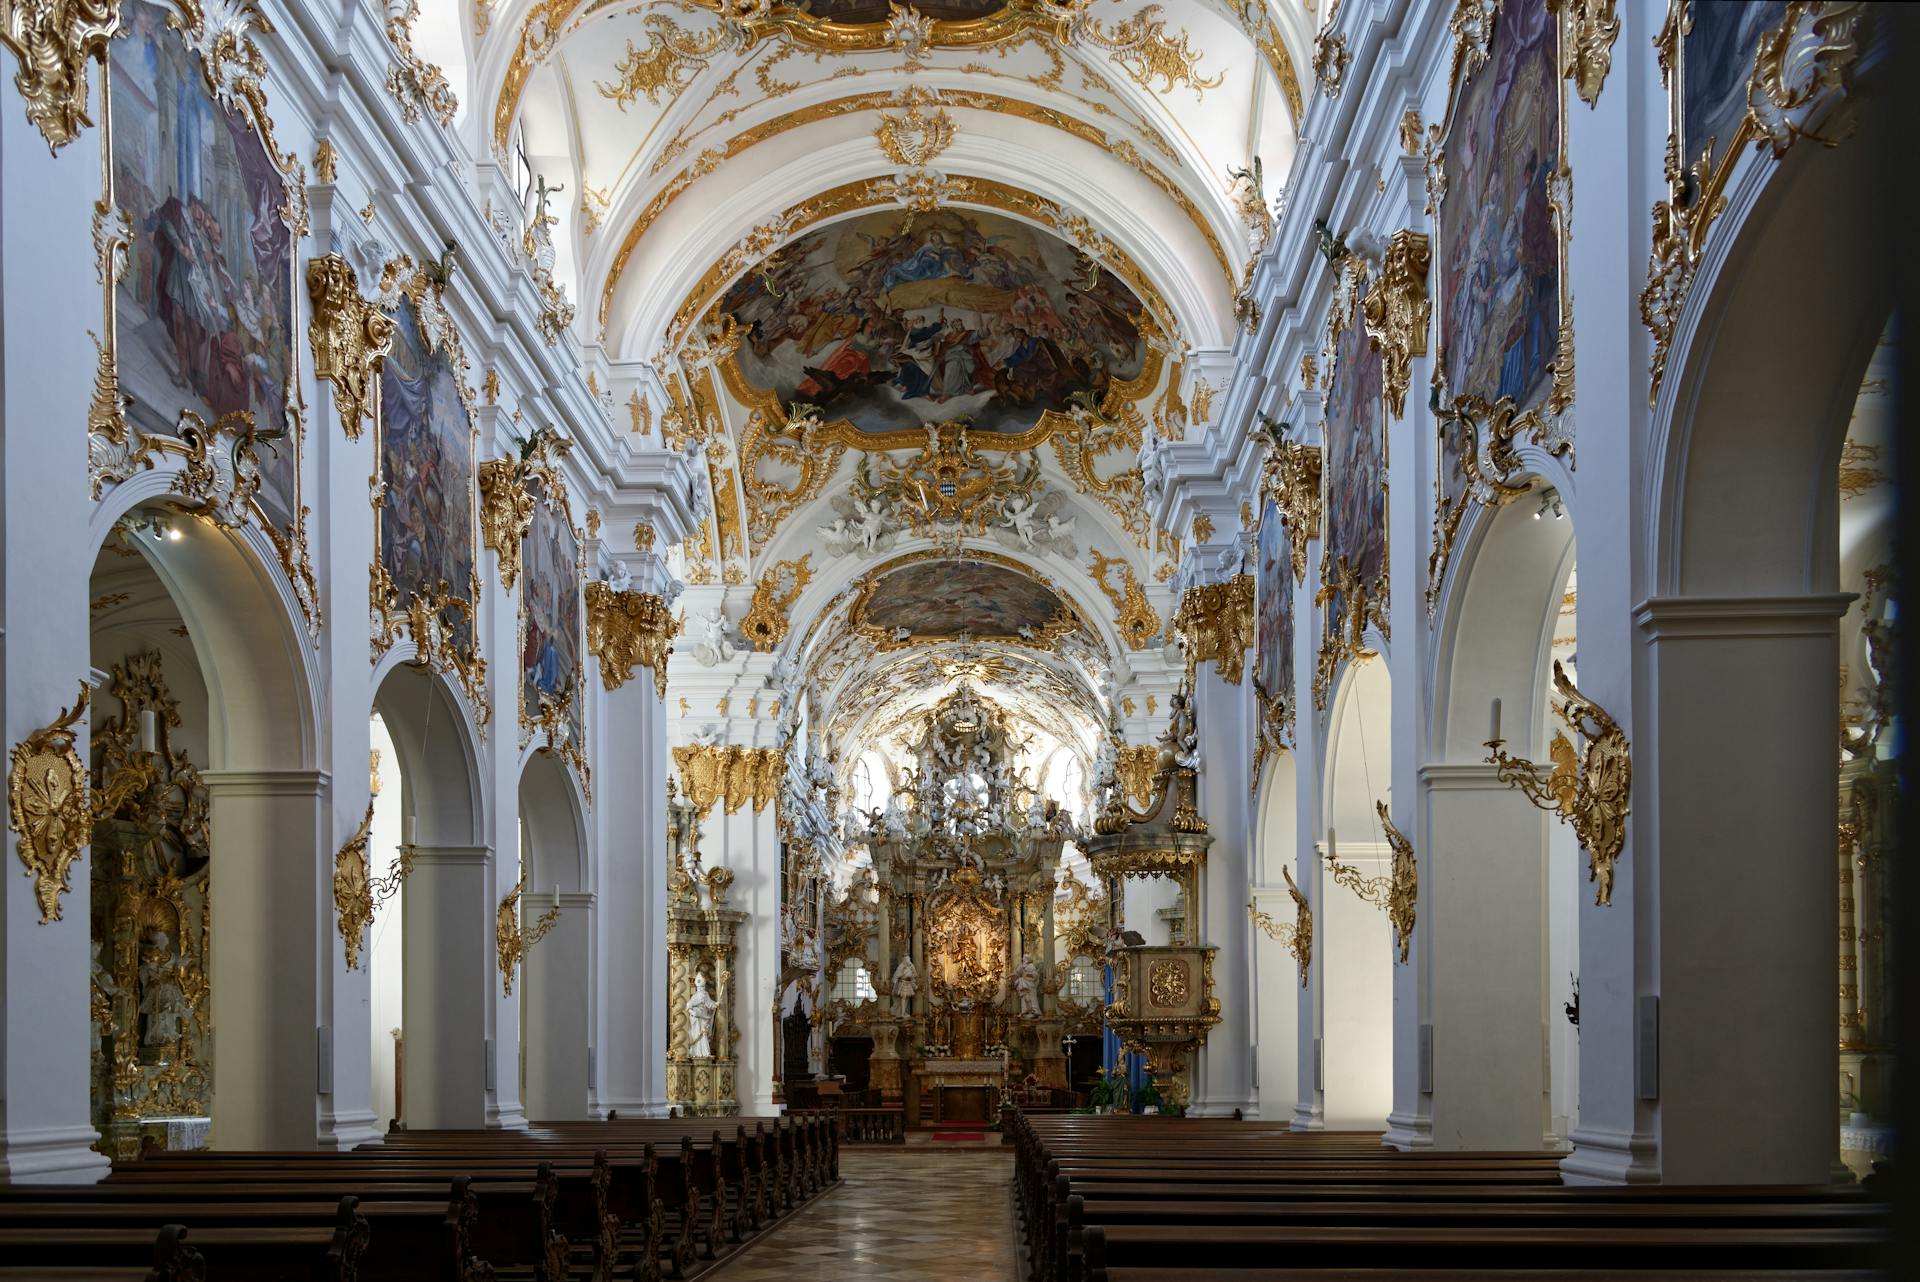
<point>556,1008</point>
<point>751,843</point>
<point>630,814</point>
<point>1481,891</point>
<point>1734,835</point>
<point>451,978</point>
<point>49,302</point>
<point>263,908</point>
<point>1223,1072</point>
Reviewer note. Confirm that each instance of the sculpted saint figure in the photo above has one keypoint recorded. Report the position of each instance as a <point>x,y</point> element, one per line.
<point>700,1008</point>
<point>905,979</point>
<point>1026,982</point>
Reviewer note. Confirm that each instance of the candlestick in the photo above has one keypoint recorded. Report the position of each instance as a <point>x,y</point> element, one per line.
<point>1493,734</point>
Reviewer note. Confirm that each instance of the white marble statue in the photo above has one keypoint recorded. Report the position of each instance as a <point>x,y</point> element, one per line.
<point>1026,982</point>
<point>905,980</point>
<point>161,1000</point>
<point>700,1008</point>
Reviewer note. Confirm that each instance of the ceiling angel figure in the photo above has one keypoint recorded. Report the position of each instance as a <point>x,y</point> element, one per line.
<point>860,525</point>
<point>1045,524</point>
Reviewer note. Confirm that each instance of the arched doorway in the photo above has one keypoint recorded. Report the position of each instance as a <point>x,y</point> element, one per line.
<point>1276,974</point>
<point>1355,948</point>
<point>554,996</point>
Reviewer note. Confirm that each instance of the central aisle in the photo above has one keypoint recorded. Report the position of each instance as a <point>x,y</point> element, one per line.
<point>900,1215</point>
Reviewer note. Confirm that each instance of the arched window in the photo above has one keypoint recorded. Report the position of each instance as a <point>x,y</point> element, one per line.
<point>852,984</point>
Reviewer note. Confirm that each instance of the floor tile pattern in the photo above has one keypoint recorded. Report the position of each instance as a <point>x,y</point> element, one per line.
<point>900,1215</point>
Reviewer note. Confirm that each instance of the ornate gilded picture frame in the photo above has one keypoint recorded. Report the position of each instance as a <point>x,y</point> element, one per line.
<point>1354,557</point>
<point>1273,671</point>
<point>426,575</point>
<point>195,232</point>
<point>552,632</point>
<point>1501,192</point>
<point>1761,75</point>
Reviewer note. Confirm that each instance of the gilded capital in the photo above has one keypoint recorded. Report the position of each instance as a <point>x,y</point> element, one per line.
<point>1292,480</point>
<point>625,629</point>
<point>1396,312</point>
<point>350,338</point>
<point>54,41</point>
<point>1216,620</point>
<point>506,513</point>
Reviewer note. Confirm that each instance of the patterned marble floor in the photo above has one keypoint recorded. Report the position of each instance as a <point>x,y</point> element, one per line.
<point>900,1215</point>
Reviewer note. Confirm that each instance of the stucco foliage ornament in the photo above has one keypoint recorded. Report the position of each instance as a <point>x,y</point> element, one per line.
<point>507,495</point>
<point>1396,312</point>
<point>1291,477</point>
<point>1135,616</point>
<point>353,890</point>
<point>1591,791</point>
<point>350,338</point>
<point>416,84</point>
<point>628,629</point>
<point>48,807</point>
<point>1398,891</point>
<point>766,623</point>
<point>1588,29</point>
<point>54,41</point>
<point>911,136</point>
<point>1215,620</point>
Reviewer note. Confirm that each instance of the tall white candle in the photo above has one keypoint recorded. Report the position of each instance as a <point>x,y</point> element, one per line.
<point>1493,735</point>
<point>149,730</point>
<point>556,894</point>
<point>1330,854</point>
<point>407,831</point>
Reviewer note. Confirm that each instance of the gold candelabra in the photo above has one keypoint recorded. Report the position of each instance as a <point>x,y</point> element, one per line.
<point>1398,892</point>
<point>512,941</point>
<point>1591,791</point>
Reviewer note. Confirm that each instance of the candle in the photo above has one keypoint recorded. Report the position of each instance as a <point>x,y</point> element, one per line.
<point>1493,734</point>
<point>407,831</point>
<point>149,730</point>
<point>1329,845</point>
<point>556,894</point>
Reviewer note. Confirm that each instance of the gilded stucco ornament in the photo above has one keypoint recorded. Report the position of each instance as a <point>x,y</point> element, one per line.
<point>1396,312</point>
<point>508,489</point>
<point>1215,620</point>
<point>766,622</point>
<point>1291,477</point>
<point>47,804</point>
<point>553,720</point>
<point>54,41</point>
<point>1134,615</point>
<point>356,893</point>
<point>1296,938</point>
<point>350,338</point>
<point>416,84</point>
<point>1591,791</point>
<point>673,56</point>
<point>910,135</point>
<point>626,629</point>
<point>1799,87</point>
<point>1588,29</point>
<point>714,772</point>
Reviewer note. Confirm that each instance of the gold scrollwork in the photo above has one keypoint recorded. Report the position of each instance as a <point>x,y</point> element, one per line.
<point>1133,766</point>
<point>1592,793</point>
<point>712,772</point>
<point>511,942</point>
<point>1396,311</point>
<point>766,622</point>
<point>1588,29</point>
<point>356,893</point>
<point>1801,71</point>
<point>506,513</point>
<point>1215,620</point>
<point>47,804</point>
<point>350,338</point>
<point>54,41</point>
<point>629,628</point>
<point>915,135</point>
<point>1136,618</point>
<point>669,63</point>
<point>553,720</point>
<point>1398,892</point>
<point>1297,938</point>
<point>416,84</point>
<point>1291,478</point>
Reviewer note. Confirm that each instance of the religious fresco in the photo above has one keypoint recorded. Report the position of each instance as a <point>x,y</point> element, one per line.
<point>897,320</point>
<point>1356,462</point>
<point>856,12</point>
<point>205,311</point>
<point>1717,56</point>
<point>426,461</point>
<point>941,599</point>
<point>550,615</point>
<point>1499,288</point>
<point>1273,608</point>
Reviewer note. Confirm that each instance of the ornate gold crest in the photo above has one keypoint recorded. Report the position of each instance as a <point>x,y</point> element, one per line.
<point>48,807</point>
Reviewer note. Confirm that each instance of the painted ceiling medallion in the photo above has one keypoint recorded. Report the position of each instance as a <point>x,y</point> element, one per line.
<point>923,599</point>
<point>896,321</point>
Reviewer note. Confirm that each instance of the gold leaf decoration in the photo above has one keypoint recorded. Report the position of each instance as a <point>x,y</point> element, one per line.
<point>766,622</point>
<point>713,772</point>
<point>48,807</point>
<point>914,136</point>
<point>1215,620</point>
<point>1137,620</point>
<point>350,337</point>
<point>672,58</point>
<point>629,629</point>
<point>54,41</point>
<point>1396,311</point>
<point>353,889</point>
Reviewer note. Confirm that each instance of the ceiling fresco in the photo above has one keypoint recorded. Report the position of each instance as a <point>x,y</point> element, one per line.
<point>895,321</point>
<point>943,599</point>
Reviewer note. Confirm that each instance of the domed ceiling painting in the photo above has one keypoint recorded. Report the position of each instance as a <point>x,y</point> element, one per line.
<point>894,321</point>
<point>944,599</point>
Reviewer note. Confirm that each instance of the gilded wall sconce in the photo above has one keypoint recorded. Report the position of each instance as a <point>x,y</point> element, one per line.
<point>356,894</point>
<point>511,941</point>
<point>1297,938</point>
<point>1591,792</point>
<point>1398,892</point>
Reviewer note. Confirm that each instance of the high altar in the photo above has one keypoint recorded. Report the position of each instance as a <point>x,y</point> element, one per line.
<point>964,866</point>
